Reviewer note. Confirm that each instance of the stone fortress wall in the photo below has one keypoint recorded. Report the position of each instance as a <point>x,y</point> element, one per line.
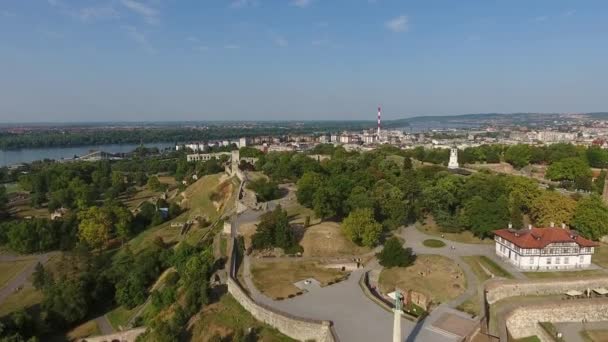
<point>295,327</point>
<point>501,289</point>
<point>523,321</point>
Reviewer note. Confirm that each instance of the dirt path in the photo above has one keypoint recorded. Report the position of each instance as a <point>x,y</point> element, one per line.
<point>105,328</point>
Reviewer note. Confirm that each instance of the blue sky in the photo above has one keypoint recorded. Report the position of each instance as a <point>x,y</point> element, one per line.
<point>98,60</point>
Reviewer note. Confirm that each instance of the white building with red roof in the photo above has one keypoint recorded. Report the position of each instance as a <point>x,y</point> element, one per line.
<point>540,249</point>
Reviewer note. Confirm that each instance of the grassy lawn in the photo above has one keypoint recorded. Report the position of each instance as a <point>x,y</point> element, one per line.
<point>120,316</point>
<point>327,240</point>
<point>22,299</point>
<point>227,316</point>
<point>431,228</point>
<point>142,194</point>
<point>493,267</point>
<point>86,329</point>
<point>600,257</point>
<point>594,335</point>
<point>433,243</point>
<point>12,188</point>
<point>198,196</point>
<point>528,339</point>
<point>22,211</point>
<point>275,278</point>
<point>436,276</point>
<point>10,269</point>
<point>165,231</point>
<point>565,274</point>
<point>480,273</point>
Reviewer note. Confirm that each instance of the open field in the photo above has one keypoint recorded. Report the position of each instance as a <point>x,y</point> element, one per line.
<point>298,213</point>
<point>275,278</point>
<point>22,299</point>
<point>22,211</point>
<point>430,227</point>
<point>488,265</point>
<point>327,240</point>
<point>120,316</point>
<point>436,276</point>
<point>565,274</point>
<point>142,194</point>
<point>226,317</point>
<point>473,304</point>
<point>86,329</point>
<point>9,269</point>
<point>594,335</point>
<point>480,273</point>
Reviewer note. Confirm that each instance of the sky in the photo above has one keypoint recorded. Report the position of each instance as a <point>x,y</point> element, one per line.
<point>168,60</point>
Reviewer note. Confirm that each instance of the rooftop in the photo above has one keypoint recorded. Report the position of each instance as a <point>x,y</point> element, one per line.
<point>541,237</point>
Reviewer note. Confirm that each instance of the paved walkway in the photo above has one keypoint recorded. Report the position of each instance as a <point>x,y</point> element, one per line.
<point>104,325</point>
<point>22,278</point>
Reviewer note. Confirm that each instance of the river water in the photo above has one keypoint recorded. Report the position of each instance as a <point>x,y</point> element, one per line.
<point>27,155</point>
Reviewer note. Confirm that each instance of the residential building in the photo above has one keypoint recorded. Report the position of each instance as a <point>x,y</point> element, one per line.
<point>537,249</point>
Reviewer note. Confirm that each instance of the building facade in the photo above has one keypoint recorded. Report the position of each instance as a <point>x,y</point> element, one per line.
<point>542,249</point>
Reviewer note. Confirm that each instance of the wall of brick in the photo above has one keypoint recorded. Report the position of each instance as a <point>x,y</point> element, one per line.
<point>501,289</point>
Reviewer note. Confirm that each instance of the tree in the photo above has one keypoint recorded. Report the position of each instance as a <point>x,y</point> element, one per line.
<point>597,157</point>
<point>590,217</point>
<point>568,169</point>
<point>551,206</point>
<point>308,185</point>
<point>274,231</point>
<point>3,202</point>
<point>95,226</point>
<point>394,255</point>
<point>407,163</point>
<point>155,185</point>
<point>361,227</point>
<point>389,204</point>
<point>483,216</point>
<point>359,198</point>
<point>518,155</point>
<point>40,277</point>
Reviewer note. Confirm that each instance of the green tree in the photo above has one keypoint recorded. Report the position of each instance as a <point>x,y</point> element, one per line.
<point>590,217</point>
<point>568,169</point>
<point>483,216</point>
<point>361,227</point>
<point>551,206</point>
<point>308,185</point>
<point>394,255</point>
<point>95,226</point>
<point>518,155</point>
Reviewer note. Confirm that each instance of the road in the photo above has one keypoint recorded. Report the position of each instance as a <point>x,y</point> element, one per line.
<point>22,278</point>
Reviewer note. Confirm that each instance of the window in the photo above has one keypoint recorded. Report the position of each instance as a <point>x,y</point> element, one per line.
<point>515,256</point>
<point>566,260</point>
<point>548,261</point>
<point>531,260</point>
<point>557,260</point>
<point>581,259</point>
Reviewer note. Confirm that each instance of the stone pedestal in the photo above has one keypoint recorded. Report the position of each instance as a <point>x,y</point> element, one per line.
<point>397,326</point>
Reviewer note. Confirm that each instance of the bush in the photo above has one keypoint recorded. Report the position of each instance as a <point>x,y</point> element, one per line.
<point>433,243</point>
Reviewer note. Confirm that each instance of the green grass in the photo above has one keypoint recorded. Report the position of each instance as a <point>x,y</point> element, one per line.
<point>600,257</point>
<point>227,316</point>
<point>528,339</point>
<point>473,262</point>
<point>433,243</point>
<point>223,246</point>
<point>120,316</point>
<point>8,270</point>
<point>594,335</point>
<point>565,274</point>
<point>13,187</point>
<point>493,267</point>
<point>431,228</point>
<point>22,299</point>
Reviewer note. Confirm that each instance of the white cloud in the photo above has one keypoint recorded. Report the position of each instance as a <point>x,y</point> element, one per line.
<point>139,38</point>
<point>192,39</point>
<point>399,24</point>
<point>569,13</point>
<point>243,3</point>
<point>149,14</point>
<point>54,2</point>
<point>302,3</point>
<point>231,46</point>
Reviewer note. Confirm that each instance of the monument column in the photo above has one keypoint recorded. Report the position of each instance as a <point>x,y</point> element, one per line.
<point>397,317</point>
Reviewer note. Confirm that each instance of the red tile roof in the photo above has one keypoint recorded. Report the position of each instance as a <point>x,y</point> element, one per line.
<point>541,237</point>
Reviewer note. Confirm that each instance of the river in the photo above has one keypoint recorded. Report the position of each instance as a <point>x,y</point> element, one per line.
<point>27,155</point>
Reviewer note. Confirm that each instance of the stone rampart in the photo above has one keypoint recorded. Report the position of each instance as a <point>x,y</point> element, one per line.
<point>523,321</point>
<point>501,289</point>
<point>296,328</point>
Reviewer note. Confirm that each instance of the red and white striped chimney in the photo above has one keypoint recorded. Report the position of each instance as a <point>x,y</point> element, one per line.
<point>379,119</point>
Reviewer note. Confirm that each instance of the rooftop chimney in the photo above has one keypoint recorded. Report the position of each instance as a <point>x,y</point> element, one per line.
<point>552,224</point>
<point>529,227</point>
<point>563,225</point>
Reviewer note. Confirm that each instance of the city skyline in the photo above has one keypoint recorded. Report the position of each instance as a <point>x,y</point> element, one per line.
<point>136,60</point>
